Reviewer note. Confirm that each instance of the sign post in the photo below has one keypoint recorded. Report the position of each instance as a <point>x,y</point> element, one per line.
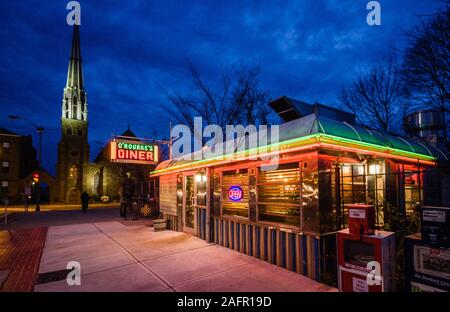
<point>27,193</point>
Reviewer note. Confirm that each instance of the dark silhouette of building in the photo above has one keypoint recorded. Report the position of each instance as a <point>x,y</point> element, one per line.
<point>18,160</point>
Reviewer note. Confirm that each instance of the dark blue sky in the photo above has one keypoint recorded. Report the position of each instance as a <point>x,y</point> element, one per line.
<point>306,49</point>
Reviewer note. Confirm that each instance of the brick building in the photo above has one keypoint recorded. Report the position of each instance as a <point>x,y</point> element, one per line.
<point>17,160</point>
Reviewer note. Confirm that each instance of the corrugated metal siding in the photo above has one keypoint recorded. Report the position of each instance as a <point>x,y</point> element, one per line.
<point>168,194</point>
<point>297,252</point>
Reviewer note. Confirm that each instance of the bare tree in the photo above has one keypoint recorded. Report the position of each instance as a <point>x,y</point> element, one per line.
<point>237,99</point>
<point>378,95</point>
<point>427,63</point>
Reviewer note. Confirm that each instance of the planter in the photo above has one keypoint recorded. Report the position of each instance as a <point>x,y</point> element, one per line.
<point>160,225</point>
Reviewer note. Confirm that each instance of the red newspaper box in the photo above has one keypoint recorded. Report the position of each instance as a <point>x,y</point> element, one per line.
<point>366,257</point>
<point>370,254</point>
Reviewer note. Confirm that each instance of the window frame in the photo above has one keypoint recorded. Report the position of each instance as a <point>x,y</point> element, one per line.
<point>299,204</point>
<point>221,185</point>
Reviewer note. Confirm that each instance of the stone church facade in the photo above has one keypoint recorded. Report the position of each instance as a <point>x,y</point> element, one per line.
<point>104,178</point>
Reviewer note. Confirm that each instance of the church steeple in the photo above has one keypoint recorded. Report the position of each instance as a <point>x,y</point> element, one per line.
<point>73,148</point>
<point>75,100</point>
<point>75,72</point>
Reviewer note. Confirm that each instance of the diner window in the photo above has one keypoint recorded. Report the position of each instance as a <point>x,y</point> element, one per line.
<point>279,193</point>
<point>413,190</point>
<point>235,193</point>
<point>200,179</point>
<point>376,189</point>
<point>5,145</point>
<point>353,186</point>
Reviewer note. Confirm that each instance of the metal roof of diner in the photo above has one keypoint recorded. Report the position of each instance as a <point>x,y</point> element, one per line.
<point>290,109</point>
<point>313,124</point>
<point>323,129</point>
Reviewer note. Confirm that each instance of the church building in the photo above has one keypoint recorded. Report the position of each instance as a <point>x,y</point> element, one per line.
<point>75,173</point>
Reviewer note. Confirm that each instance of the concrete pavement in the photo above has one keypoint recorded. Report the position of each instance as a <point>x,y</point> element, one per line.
<point>118,257</point>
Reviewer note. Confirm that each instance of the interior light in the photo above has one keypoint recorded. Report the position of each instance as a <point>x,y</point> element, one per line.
<point>374,169</point>
<point>360,170</point>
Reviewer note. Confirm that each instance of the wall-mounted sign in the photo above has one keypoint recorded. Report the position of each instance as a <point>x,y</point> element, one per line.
<point>134,152</point>
<point>235,193</point>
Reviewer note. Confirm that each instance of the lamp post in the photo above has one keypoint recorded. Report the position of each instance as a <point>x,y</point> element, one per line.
<point>40,131</point>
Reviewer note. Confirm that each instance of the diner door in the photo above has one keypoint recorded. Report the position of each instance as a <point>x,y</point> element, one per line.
<point>189,204</point>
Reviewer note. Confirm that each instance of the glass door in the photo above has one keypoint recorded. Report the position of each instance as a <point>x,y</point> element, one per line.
<point>189,202</point>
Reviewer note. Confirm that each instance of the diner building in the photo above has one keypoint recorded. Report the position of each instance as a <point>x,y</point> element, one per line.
<point>288,214</point>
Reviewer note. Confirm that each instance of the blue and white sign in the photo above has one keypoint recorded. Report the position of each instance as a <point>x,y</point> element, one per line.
<point>235,193</point>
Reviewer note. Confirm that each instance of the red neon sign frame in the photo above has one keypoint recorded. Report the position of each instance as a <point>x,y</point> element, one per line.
<point>134,152</point>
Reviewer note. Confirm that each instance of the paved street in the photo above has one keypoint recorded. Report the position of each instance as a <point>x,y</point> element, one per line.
<point>118,257</point>
<point>59,217</point>
<point>55,207</point>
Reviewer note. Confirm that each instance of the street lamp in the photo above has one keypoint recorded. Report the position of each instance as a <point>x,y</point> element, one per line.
<point>40,131</point>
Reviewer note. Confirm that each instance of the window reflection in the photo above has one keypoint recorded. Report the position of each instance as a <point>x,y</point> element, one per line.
<point>279,193</point>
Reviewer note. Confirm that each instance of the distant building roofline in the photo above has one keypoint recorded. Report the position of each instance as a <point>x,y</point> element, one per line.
<point>4,131</point>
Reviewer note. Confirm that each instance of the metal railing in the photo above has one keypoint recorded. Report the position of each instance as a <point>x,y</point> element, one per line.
<point>139,207</point>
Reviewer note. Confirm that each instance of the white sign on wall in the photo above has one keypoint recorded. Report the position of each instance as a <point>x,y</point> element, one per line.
<point>357,213</point>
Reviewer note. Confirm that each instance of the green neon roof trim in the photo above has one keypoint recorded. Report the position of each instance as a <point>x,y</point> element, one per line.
<point>321,128</point>
<point>379,146</point>
<point>411,155</point>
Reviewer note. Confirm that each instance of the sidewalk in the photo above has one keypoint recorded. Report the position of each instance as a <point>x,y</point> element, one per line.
<point>135,258</point>
<point>20,255</point>
<point>119,255</point>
